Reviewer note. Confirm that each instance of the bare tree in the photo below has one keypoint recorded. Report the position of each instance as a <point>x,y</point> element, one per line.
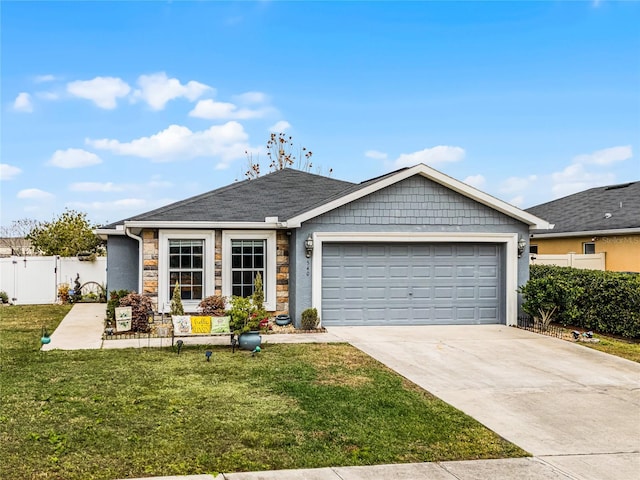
<point>282,154</point>
<point>13,237</point>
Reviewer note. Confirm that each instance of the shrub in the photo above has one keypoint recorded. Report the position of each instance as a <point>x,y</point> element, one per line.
<point>176,301</point>
<point>546,297</point>
<point>63,293</point>
<point>606,302</point>
<point>4,298</point>
<point>309,319</point>
<point>114,301</point>
<point>243,315</point>
<point>213,305</point>
<point>140,307</point>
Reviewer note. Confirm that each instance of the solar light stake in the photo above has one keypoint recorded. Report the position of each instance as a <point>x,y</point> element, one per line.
<point>179,343</point>
<point>207,354</point>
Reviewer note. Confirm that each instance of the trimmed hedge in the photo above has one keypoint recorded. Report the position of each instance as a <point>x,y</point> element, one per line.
<point>605,302</point>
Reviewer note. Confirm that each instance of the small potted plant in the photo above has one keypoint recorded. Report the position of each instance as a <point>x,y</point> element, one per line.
<point>247,315</point>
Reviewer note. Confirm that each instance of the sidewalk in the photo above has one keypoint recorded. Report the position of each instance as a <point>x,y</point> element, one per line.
<point>500,469</point>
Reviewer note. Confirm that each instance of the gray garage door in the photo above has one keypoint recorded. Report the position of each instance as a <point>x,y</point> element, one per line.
<point>411,284</point>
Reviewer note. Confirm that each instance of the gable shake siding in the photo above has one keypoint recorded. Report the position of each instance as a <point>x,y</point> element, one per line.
<point>414,201</point>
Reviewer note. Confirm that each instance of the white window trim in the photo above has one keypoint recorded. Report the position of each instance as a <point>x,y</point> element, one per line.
<point>270,259</point>
<point>509,239</point>
<point>164,302</point>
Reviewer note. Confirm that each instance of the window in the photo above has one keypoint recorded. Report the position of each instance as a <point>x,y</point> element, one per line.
<point>588,248</point>
<point>186,256</point>
<point>533,249</point>
<point>244,254</point>
<point>247,260</point>
<point>186,266</point>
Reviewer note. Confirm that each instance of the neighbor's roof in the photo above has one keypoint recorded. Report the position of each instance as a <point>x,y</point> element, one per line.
<point>612,207</point>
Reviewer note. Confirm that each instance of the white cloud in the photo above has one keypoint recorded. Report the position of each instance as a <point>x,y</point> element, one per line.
<point>95,187</point>
<point>48,95</point>
<point>103,91</point>
<point>8,172</point>
<point>430,156</point>
<point>477,181</point>
<point>110,187</point>
<point>74,158</point>
<point>227,142</point>
<point>251,98</point>
<point>212,110</point>
<point>376,155</point>
<point>517,184</point>
<point>281,126</point>
<point>44,78</point>
<point>575,178</point>
<point>23,103</point>
<point>517,201</point>
<point>606,156</point>
<point>157,89</point>
<point>122,204</point>
<point>34,194</point>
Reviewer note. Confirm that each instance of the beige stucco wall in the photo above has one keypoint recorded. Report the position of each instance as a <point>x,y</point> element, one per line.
<point>622,252</point>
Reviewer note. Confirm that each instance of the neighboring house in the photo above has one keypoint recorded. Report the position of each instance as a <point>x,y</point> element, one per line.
<point>599,220</point>
<point>15,246</point>
<point>411,247</point>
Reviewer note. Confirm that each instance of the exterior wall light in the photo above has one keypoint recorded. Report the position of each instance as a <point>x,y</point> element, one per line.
<point>522,243</point>
<point>308,246</point>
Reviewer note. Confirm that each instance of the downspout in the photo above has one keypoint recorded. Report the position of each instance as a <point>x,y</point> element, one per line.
<point>128,233</point>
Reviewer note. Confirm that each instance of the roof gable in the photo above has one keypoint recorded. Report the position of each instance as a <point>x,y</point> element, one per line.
<point>612,207</point>
<point>368,187</point>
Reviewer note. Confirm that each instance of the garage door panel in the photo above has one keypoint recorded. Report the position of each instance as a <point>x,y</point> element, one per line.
<point>404,284</point>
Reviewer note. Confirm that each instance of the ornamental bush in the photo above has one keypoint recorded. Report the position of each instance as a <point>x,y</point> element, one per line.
<point>606,302</point>
<point>140,305</point>
<point>309,319</point>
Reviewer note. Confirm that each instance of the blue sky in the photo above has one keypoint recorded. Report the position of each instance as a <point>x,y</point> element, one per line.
<point>117,108</point>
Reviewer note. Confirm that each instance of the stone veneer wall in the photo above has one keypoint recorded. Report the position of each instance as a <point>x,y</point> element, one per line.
<point>282,272</point>
<point>150,265</point>
<point>150,273</point>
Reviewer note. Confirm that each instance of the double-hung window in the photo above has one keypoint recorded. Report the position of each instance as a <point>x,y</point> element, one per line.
<point>186,257</point>
<point>186,267</point>
<point>247,260</point>
<point>245,253</point>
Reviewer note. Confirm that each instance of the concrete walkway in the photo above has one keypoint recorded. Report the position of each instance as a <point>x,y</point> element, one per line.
<point>577,410</point>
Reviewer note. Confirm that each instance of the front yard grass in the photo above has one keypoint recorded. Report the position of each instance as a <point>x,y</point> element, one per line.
<point>622,348</point>
<point>106,414</point>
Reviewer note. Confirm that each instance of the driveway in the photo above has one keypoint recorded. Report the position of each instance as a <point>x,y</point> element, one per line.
<point>576,408</point>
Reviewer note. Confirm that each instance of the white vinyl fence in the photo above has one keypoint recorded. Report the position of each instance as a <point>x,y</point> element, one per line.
<point>35,280</point>
<point>592,261</point>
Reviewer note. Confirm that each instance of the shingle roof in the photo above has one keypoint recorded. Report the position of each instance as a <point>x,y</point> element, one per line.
<point>603,208</point>
<point>282,194</point>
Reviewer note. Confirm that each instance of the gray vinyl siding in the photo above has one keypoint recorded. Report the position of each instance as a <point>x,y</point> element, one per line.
<point>122,263</point>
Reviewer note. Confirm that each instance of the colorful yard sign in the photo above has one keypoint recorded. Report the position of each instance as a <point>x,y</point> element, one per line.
<point>181,323</point>
<point>220,325</point>
<point>200,324</point>
<point>123,319</point>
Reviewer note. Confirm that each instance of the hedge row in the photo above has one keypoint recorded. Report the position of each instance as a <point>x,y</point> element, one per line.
<point>605,302</point>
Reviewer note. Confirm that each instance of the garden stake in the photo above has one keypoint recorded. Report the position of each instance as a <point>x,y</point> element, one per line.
<point>179,343</point>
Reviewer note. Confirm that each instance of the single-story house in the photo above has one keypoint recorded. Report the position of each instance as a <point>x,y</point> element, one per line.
<point>599,220</point>
<point>414,246</point>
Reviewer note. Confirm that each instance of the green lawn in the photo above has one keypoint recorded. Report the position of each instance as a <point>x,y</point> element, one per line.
<point>621,348</point>
<point>148,412</point>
